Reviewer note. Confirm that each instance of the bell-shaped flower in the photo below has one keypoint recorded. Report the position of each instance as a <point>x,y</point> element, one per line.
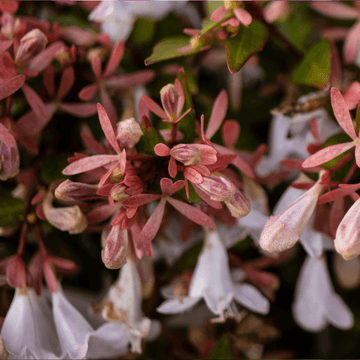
<point>316,303</point>
<point>28,330</point>
<point>283,230</point>
<point>122,306</point>
<point>347,241</point>
<point>212,282</point>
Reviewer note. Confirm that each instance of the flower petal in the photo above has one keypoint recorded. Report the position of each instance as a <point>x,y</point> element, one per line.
<point>251,298</point>
<point>177,305</point>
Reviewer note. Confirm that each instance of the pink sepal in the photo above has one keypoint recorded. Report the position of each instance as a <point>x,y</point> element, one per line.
<point>140,199</point>
<point>141,77</point>
<point>10,86</point>
<point>79,110</point>
<point>35,102</point>
<point>15,271</point>
<point>243,16</point>
<point>88,92</point>
<point>338,193</point>
<point>6,137</point>
<point>218,13</point>
<point>89,163</point>
<point>192,213</point>
<point>108,105</point>
<point>107,128</point>
<point>172,167</point>
<point>153,106</point>
<point>217,114</point>
<point>352,95</point>
<point>230,132</point>
<point>66,82</point>
<point>99,214</point>
<point>49,276</point>
<point>96,67</point>
<point>116,55</point>
<point>169,188</point>
<point>162,150</point>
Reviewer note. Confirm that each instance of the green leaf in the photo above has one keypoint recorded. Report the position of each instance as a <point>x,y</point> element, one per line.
<point>187,261</point>
<point>166,49</point>
<point>222,349</point>
<point>150,138</point>
<point>143,31</point>
<point>314,69</point>
<point>297,26</point>
<point>334,140</point>
<point>246,43</point>
<point>10,210</point>
<point>187,124</point>
<point>52,168</point>
<point>191,80</point>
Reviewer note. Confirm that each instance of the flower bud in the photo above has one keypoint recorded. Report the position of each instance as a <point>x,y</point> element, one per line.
<point>217,187</point>
<point>9,161</point>
<point>72,191</point>
<point>9,25</point>
<point>31,44</point>
<point>118,192</point>
<point>347,240</point>
<point>169,98</point>
<point>114,253</point>
<point>128,133</point>
<point>239,205</point>
<point>69,218</point>
<point>283,230</point>
<point>187,154</point>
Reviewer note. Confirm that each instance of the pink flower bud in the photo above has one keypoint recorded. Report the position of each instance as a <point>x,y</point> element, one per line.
<point>128,133</point>
<point>9,25</point>
<point>114,253</point>
<point>347,240</point>
<point>118,192</point>
<point>69,218</point>
<point>169,98</point>
<point>239,205</point>
<point>31,44</point>
<point>70,191</point>
<point>187,154</point>
<point>9,161</point>
<point>283,230</point>
<point>217,187</point>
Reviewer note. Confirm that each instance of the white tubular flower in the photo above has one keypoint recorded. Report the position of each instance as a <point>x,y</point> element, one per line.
<point>122,306</point>
<point>212,282</point>
<point>316,303</point>
<point>118,17</point>
<point>29,330</point>
<point>283,230</point>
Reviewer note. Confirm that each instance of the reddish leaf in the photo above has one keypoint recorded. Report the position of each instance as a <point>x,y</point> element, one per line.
<point>10,86</point>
